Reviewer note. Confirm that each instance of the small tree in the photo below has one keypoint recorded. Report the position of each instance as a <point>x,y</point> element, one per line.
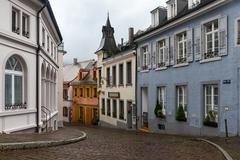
<point>159,110</point>
<point>180,115</point>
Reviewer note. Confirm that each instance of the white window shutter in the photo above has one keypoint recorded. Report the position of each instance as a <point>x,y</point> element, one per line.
<point>154,53</point>
<point>139,59</point>
<point>190,45</point>
<point>149,57</point>
<point>223,36</point>
<point>198,44</point>
<point>172,50</point>
<point>166,52</point>
<point>157,55</point>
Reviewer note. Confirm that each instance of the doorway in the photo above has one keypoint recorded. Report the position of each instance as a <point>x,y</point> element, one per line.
<point>129,114</point>
<point>144,107</point>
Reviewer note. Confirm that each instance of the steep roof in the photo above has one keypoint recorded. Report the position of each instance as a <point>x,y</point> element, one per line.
<point>70,71</point>
<point>108,42</point>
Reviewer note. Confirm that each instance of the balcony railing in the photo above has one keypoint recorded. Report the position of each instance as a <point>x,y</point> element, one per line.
<point>181,60</point>
<point>16,106</point>
<point>209,55</point>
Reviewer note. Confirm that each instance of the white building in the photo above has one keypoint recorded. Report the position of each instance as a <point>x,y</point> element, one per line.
<point>116,71</point>
<point>29,40</point>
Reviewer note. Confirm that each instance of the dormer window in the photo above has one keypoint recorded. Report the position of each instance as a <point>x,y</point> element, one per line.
<point>193,3</point>
<point>172,8</point>
<point>155,18</point>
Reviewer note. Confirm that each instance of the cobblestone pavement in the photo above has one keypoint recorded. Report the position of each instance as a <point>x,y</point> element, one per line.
<point>113,144</point>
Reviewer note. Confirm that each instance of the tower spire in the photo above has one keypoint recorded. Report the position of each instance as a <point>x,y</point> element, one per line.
<point>108,24</point>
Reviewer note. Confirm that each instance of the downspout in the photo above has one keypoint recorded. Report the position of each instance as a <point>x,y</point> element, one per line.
<point>37,64</point>
<point>136,85</point>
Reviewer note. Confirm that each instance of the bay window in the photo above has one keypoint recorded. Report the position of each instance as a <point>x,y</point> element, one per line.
<point>14,84</point>
<point>211,105</point>
<point>211,39</point>
<point>160,53</point>
<point>181,47</point>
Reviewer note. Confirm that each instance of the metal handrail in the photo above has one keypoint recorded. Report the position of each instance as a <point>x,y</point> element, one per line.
<point>46,118</point>
<point>43,107</point>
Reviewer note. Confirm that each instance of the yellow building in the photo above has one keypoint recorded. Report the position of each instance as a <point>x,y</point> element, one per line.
<point>85,97</point>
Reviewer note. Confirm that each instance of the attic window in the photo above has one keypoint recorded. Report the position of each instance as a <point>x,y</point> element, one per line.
<point>155,19</point>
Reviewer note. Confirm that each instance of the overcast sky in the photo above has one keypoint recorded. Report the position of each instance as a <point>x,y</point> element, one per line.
<point>81,22</point>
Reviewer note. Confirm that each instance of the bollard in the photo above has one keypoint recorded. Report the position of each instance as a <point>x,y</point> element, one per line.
<point>226,128</point>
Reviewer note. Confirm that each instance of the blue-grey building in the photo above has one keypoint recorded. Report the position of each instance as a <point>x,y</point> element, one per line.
<point>188,62</point>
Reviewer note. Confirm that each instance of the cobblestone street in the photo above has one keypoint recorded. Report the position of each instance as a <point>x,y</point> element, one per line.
<point>108,144</point>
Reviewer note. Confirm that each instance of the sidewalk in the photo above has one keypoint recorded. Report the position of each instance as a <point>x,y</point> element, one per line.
<point>231,145</point>
<point>61,134</point>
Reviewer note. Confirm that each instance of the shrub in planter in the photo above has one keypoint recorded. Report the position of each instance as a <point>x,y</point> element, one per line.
<point>159,110</point>
<point>95,121</point>
<point>180,115</point>
<point>210,119</point>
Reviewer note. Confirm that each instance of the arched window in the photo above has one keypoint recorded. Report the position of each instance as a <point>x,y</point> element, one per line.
<point>14,84</point>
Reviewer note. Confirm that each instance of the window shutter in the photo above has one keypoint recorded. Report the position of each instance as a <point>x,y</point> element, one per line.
<point>172,50</point>
<point>223,25</point>
<point>197,48</point>
<point>149,56</point>
<point>139,59</point>
<point>154,51</point>
<point>166,51</point>
<point>189,45</point>
<point>157,54</point>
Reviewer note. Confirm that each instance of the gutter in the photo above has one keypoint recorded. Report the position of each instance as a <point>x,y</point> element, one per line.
<point>37,64</point>
<point>136,86</point>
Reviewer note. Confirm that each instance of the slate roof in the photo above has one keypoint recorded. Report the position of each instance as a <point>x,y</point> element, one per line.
<point>70,71</point>
<point>108,42</point>
<point>183,13</point>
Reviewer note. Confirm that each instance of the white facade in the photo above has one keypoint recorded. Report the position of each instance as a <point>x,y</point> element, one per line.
<point>18,42</point>
<point>117,92</point>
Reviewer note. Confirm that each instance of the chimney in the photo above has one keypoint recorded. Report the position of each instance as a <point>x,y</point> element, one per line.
<point>75,61</point>
<point>130,35</point>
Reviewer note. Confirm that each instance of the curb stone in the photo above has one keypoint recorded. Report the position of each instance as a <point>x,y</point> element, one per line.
<point>225,154</point>
<point>40,144</point>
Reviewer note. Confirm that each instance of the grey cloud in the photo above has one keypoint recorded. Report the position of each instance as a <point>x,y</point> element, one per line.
<point>81,21</point>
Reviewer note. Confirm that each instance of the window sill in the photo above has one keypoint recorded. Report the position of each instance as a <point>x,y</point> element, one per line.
<point>144,71</point>
<point>129,84</point>
<point>17,112</point>
<point>211,60</point>
<point>161,68</point>
<point>181,65</point>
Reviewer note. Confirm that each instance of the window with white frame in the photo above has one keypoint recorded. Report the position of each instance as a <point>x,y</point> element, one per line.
<point>238,32</point>
<point>14,84</point>
<point>15,20</point>
<point>160,53</point>
<point>25,25</point>
<point>43,37</point>
<point>145,57</point>
<point>211,39</point>
<point>211,99</point>
<point>181,47</point>
<point>182,98</point>
<point>161,93</point>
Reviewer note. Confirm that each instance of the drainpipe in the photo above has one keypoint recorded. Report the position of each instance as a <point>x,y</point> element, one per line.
<point>136,85</point>
<point>37,64</point>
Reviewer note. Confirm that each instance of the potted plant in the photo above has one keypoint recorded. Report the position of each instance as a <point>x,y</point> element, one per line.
<point>210,119</point>
<point>95,120</point>
<point>159,110</point>
<point>180,115</point>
